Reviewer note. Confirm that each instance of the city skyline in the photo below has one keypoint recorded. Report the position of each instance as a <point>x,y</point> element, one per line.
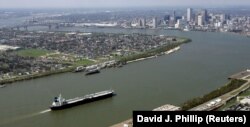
<point>115,3</point>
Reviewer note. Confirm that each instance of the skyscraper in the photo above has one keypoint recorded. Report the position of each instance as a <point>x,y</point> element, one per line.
<point>174,16</point>
<point>222,18</point>
<point>205,15</point>
<point>154,22</point>
<point>189,14</point>
<point>200,20</point>
<point>142,22</point>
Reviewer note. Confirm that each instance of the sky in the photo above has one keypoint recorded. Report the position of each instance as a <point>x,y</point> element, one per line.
<point>116,3</point>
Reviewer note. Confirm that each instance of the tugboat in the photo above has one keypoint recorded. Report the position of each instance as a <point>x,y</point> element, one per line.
<point>60,103</point>
<point>93,71</point>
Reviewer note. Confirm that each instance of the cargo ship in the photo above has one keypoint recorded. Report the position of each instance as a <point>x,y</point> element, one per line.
<point>61,103</point>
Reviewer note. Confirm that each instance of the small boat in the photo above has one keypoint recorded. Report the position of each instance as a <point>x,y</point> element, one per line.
<point>93,71</point>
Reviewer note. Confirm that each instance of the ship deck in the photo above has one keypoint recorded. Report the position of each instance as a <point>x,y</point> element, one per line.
<point>94,95</point>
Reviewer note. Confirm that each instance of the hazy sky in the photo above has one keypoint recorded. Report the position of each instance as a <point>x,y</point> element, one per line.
<point>116,3</point>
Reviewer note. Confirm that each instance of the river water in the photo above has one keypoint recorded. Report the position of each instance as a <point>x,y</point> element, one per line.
<point>197,68</point>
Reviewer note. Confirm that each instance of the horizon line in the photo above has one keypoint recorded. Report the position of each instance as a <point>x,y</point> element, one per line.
<point>124,7</point>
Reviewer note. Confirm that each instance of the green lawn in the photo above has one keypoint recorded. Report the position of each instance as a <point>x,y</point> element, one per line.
<point>32,52</point>
<point>84,62</point>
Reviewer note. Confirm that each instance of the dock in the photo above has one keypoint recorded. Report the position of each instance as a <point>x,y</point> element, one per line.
<point>167,107</point>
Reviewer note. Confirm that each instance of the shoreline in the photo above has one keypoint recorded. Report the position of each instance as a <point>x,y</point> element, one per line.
<point>34,76</point>
<point>164,50</point>
<point>149,55</point>
<point>155,56</point>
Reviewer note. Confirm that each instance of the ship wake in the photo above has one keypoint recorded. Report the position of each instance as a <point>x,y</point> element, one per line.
<point>8,121</point>
<point>45,111</point>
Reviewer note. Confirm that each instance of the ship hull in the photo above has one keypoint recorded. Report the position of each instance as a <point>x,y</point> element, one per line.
<point>78,71</point>
<point>88,100</point>
<point>92,72</point>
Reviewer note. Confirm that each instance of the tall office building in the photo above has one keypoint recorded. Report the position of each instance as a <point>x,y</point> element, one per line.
<point>200,20</point>
<point>174,16</point>
<point>205,15</point>
<point>222,18</point>
<point>180,23</point>
<point>142,22</point>
<point>172,20</point>
<point>154,22</point>
<point>189,14</point>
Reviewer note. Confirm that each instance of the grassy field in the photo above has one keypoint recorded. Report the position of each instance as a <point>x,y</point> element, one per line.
<point>83,62</point>
<point>32,52</point>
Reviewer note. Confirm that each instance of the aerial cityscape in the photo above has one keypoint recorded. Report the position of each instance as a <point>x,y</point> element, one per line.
<point>81,63</point>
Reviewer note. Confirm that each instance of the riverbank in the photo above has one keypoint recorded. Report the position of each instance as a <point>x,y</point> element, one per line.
<point>150,57</point>
<point>34,76</point>
<point>232,85</point>
<point>224,99</point>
